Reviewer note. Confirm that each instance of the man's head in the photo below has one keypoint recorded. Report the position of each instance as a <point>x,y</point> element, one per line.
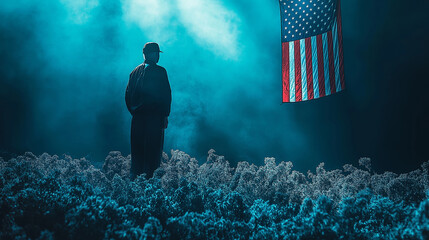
<point>151,51</point>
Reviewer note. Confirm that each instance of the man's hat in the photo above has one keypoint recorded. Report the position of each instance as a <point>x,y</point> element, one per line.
<point>151,47</point>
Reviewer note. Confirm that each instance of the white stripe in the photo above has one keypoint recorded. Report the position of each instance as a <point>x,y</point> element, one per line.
<point>292,71</point>
<point>315,67</point>
<point>336,56</point>
<point>303,70</point>
<point>326,63</point>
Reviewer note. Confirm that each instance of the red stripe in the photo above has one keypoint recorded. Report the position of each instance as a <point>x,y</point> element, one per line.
<point>285,71</point>
<point>331,63</point>
<point>309,62</point>
<point>340,45</point>
<point>298,82</point>
<point>321,69</point>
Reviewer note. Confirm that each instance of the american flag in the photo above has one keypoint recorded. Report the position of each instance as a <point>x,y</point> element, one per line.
<point>312,49</point>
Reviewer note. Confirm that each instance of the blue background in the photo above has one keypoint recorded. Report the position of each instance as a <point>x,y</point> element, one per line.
<point>65,66</point>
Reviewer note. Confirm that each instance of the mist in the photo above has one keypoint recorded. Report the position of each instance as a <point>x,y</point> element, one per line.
<point>65,65</point>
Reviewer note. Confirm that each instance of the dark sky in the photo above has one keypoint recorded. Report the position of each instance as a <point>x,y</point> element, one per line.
<point>65,65</point>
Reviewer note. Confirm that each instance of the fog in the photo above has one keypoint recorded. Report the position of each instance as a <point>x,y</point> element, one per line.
<point>65,66</point>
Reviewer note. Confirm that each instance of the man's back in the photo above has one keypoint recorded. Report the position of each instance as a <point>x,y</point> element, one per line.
<point>148,90</point>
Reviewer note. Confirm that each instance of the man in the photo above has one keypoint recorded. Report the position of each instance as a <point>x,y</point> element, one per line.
<point>148,99</point>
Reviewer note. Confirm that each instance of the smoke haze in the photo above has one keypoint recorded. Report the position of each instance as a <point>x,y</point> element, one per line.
<point>65,66</point>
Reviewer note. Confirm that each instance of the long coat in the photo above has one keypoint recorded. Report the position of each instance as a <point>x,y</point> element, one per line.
<point>148,99</point>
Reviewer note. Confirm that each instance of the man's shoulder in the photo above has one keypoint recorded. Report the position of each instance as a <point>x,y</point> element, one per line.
<point>149,68</point>
<point>137,68</point>
<point>156,67</point>
<point>156,70</point>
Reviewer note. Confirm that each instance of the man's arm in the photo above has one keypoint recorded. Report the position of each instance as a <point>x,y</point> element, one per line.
<point>128,92</point>
<point>165,122</point>
<point>167,90</point>
<point>168,100</point>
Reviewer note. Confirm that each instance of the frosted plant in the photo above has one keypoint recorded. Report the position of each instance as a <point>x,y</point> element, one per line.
<point>50,196</point>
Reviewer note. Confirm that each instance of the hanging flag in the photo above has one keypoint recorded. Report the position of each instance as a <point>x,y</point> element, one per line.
<point>312,49</point>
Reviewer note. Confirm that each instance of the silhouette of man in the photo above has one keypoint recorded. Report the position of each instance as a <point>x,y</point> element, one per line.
<point>148,99</point>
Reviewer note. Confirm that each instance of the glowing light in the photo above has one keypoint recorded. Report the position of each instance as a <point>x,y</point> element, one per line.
<point>152,16</point>
<point>212,25</point>
<point>80,10</point>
